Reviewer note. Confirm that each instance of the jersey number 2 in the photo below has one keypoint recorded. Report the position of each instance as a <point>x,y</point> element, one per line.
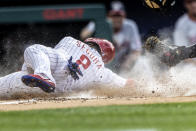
<point>84,61</point>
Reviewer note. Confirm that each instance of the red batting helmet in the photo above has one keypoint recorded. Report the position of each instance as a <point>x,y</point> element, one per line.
<point>106,47</point>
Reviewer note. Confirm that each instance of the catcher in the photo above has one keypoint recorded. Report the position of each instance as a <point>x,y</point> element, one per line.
<point>170,55</point>
<point>71,65</point>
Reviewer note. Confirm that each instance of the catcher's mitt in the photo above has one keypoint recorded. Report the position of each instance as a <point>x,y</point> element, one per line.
<point>154,45</point>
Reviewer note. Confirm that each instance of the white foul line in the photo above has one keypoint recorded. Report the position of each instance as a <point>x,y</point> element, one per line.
<point>18,102</point>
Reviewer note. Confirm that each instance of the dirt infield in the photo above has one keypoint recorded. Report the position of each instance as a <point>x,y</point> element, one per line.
<point>69,103</point>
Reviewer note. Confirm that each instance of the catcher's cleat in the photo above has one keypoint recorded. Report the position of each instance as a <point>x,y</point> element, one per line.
<point>37,81</point>
<point>151,43</point>
<point>170,55</point>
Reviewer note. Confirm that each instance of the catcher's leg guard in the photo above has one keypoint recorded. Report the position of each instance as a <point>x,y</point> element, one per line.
<point>167,54</point>
<point>191,50</point>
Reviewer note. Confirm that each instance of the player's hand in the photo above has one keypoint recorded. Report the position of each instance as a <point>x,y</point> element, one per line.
<point>130,83</point>
<point>74,69</point>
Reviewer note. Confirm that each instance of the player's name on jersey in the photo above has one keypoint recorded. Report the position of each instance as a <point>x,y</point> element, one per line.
<point>91,55</point>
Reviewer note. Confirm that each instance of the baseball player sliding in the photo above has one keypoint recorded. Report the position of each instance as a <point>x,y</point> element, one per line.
<point>71,64</point>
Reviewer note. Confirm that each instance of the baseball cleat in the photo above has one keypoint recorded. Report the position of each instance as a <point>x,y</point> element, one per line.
<point>37,81</point>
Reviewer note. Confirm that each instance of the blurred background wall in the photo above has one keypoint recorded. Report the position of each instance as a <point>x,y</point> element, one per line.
<point>146,19</point>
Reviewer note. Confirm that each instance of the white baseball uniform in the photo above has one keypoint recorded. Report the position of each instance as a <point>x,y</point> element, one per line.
<point>185,31</point>
<point>53,63</point>
<point>127,41</point>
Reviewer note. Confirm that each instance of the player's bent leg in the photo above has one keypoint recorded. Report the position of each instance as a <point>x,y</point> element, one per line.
<point>36,57</point>
<point>39,81</point>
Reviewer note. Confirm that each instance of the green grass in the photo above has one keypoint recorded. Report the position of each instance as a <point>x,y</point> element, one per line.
<point>164,117</point>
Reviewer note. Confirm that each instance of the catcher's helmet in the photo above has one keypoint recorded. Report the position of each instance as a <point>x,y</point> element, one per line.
<point>160,5</point>
<point>106,47</point>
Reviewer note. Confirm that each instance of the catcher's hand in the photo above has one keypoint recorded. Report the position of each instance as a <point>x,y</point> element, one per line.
<point>166,54</point>
<point>74,69</point>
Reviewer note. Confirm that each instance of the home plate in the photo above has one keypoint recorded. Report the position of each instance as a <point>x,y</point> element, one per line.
<point>18,102</point>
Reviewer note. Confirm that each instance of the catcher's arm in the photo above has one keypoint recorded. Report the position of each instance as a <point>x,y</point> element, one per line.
<point>169,55</point>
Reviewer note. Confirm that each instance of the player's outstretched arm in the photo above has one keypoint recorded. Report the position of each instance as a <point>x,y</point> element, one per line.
<point>167,54</point>
<point>114,80</point>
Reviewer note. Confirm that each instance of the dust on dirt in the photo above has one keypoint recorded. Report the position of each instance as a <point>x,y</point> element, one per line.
<point>153,85</point>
